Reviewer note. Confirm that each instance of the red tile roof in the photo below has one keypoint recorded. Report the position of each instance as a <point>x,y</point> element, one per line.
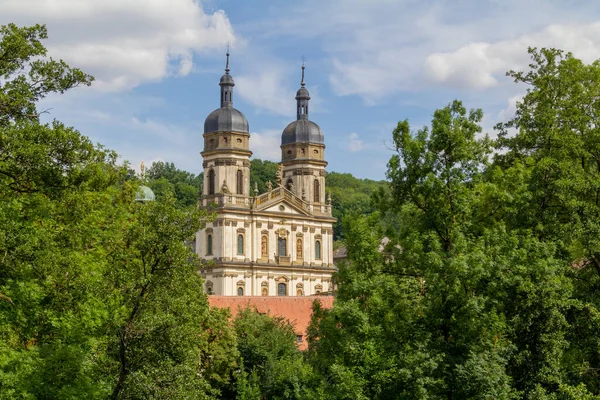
<point>296,309</point>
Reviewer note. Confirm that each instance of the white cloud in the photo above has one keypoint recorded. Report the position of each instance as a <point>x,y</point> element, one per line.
<point>478,65</point>
<point>124,43</point>
<point>378,48</point>
<point>168,132</point>
<point>267,88</point>
<point>354,143</point>
<point>509,111</point>
<point>265,145</point>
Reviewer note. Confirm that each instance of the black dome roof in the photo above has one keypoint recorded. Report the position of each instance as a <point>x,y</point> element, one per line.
<point>226,119</point>
<point>302,131</point>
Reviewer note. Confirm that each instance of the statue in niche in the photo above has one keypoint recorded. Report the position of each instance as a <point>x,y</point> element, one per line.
<point>224,188</point>
<point>292,188</point>
<point>265,291</point>
<point>269,186</point>
<point>263,247</point>
<point>299,248</point>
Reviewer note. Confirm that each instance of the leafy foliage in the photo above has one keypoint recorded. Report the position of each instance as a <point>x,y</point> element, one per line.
<point>164,177</point>
<point>273,367</point>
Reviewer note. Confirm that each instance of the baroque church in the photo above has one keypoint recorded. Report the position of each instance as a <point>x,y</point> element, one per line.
<point>277,243</point>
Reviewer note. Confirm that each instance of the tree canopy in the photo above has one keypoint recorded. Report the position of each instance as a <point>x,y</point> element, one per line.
<point>487,286</point>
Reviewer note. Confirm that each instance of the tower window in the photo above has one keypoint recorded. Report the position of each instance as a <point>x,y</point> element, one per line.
<point>240,244</point>
<point>209,245</point>
<point>240,291</point>
<point>318,249</point>
<point>281,289</point>
<point>211,181</point>
<point>240,182</point>
<point>317,188</point>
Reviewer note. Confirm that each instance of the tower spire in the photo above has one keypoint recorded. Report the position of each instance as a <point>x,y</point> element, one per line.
<point>302,97</point>
<point>227,63</point>
<point>302,82</point>
<point>227,85</point>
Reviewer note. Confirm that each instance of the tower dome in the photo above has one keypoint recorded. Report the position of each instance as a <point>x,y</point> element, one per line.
<point>144,194</point>
<point>226,118</point>
<point>302,130</point>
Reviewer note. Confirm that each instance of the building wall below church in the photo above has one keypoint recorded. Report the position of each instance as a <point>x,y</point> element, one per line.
<point>259,281</point>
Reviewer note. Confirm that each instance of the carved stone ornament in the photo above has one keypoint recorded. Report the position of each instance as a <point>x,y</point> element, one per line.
<point>282,233</point>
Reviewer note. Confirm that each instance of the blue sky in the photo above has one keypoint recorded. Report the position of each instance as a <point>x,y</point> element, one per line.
<point>369,64</point>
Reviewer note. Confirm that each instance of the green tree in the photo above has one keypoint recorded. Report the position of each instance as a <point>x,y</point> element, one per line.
<point>273,367</point>
<point>350,196</point>
<point>262,171</point>
<point>460,303</point>
<point>555,158</point>
<point>27,75</point>
<point>99,295</point>
<point>164,177</point>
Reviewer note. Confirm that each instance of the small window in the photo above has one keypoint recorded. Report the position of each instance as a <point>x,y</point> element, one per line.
<point>317,189</point>
<point>211,181</point>
<point>281,289</point>
<point>240,291</point>
<point>318,249</point>
<point>209,245</point>
<point>240,182</point>
<point>299,338</point>
<point>240,244</point>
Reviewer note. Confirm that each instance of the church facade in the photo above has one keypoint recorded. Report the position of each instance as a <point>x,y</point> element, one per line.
<point>277,243</point>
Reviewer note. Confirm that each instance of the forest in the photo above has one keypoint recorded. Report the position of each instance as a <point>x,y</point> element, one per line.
<point>487,287</point>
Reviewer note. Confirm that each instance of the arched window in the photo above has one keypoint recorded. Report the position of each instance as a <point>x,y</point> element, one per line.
<point>318,249</point>
<point>209,245</point>
<point>281,247</point>
<point>240,244</point>
<point>281,289</point>
<point>264,246</point>
<point>240,182</point>
<point>211,181</point>
<point>240,291</point>
<point>318,289</point>
<point>317,189</point>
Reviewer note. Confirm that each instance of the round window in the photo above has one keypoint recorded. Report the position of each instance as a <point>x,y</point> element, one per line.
<point>281,208</point>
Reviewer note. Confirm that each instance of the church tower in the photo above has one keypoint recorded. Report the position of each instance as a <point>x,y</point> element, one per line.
<point>275,243</point>
<point>302,154</point>
<point>226,146</point>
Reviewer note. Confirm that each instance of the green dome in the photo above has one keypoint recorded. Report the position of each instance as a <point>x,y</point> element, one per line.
<point>144,193</point>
